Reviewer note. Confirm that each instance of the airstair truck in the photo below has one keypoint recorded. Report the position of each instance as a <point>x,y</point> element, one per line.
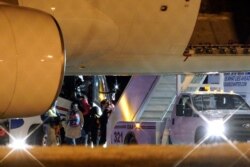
<point>196,117</point>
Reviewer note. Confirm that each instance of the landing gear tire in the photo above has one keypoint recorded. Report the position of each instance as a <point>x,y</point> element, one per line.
<point>199,135</point>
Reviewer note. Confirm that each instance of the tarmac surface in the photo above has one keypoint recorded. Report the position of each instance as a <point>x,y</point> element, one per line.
<point>128,156</point>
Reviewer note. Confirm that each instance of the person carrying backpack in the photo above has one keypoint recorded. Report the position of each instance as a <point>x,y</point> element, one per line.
<point>74,125</point>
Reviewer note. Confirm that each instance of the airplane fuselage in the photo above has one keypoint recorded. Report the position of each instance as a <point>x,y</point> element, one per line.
<point>122,37</point>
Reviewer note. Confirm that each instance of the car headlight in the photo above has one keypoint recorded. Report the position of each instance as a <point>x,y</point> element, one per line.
<point>216,128</point>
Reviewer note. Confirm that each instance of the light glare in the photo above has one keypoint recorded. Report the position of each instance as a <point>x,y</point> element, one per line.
<point>137,125</point>
<point>116,86</point>
<point>216,128</point>
<point>50,56</point>
<point>18,144</point>
<point>53,9</point>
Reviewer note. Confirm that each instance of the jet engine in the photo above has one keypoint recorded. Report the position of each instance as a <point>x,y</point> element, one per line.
<point>31,61</point>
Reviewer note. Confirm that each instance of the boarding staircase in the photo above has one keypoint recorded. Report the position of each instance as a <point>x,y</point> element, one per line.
<point>159,103</point>
<point>151,98</point>
<point>160,99</point>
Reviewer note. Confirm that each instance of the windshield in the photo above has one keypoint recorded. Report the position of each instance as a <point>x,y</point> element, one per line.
<point>219,101</point>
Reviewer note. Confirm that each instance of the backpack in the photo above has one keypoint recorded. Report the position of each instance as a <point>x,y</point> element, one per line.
<point>83,106</point>
<point>74,119</point>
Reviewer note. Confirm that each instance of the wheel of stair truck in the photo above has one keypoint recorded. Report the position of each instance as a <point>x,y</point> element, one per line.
<point>37,135</point>
<point>130,138</point>
<point>199,135</point>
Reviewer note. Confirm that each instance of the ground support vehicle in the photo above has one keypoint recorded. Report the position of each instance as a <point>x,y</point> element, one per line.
<point>137,133</point>
<point>196,117</point>
<point>209,117</point>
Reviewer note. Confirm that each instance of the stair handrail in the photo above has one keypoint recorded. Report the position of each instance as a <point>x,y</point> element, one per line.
<point>168,109</point>
<point>138,113</point>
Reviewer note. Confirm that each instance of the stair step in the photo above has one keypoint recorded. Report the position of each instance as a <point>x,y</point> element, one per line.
<point>164,89</point>
<point>166,98</point>
<point>161,108</point>
<point>164,94</point>
<point>160,99</point>
<point>167,83</point>
<point>150,119</point>
<point>156,112</point>
<point>163,103</point>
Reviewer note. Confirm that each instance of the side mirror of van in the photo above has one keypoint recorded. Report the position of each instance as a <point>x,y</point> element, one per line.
<point>179,110</point>
<point>188,112</point>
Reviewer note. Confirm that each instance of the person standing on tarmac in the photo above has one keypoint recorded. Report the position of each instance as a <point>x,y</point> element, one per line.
<point>94,125</point>
<point>107,108</point>
<point>51,124</point>
<point>74,120</point>
<point>85,107</point>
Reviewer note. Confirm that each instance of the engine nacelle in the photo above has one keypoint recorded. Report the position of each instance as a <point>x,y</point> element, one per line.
<point>31,61</point>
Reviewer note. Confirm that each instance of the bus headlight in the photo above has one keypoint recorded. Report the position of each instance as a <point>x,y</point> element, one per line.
<point>216,128</point>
